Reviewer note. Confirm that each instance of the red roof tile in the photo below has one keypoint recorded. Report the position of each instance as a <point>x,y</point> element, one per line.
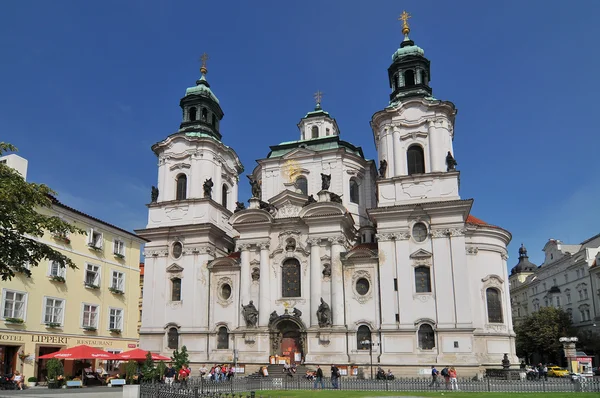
<point>475,220</point>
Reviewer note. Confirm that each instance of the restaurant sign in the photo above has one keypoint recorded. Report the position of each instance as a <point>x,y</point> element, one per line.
<point>59,340</point>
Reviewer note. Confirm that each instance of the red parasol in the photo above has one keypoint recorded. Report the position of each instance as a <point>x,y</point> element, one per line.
<point>139,355</point>
<point>81,352</point>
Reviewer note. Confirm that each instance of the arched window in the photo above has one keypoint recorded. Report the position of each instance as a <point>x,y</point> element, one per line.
<point>409,78</point>
<point>363,334</point>
<point>494,305</point>
<point>315,132</point>
<point>204,115</point>
<point>416,160</point>
<point>175,289</point>
<point>422,280</point>
<point>290,278</point>
<point>181,193</point>
<point>426,337</point>
<point>354,193</point>
<point>192,114</point>
<point>222,339</point>
<point>173,338</point>
<point>302,185</point>
<point>224,196</point>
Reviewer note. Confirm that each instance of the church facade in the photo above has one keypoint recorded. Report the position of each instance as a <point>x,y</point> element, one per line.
<point>336,257</point>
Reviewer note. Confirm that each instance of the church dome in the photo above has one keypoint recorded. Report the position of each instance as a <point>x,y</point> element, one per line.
<point>407,50</point>
<point>524,265</point>
<point>202,88</point>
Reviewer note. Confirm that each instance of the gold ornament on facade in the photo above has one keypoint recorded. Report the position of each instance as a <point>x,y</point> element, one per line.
<point>203,59</point>
<point>290,169</point>
<point>404,18</point>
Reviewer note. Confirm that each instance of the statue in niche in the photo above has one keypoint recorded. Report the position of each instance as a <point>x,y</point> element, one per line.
<point>154,194</point>
<point>290,245</point>
<point>335,197</point>
<point>311,199</point>
<point>324,314</point>
<point>325,181</point>
<point>382,168</point>
<point>505,360</point>
<point>451,162</point>
<point>255,274</point>
<point>327,270</point>
<point>255,187</point>
<point>239,206</point>
<point>297,313</point>
<point>207,186</point>
<point>273,317</point>
<point>250,314</point>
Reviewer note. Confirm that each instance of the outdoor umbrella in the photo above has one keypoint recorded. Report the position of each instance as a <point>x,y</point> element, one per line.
<point>81,352</point>
<point>139,355</point>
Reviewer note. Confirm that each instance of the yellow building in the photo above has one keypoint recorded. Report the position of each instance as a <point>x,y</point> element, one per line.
<point>96,304</point>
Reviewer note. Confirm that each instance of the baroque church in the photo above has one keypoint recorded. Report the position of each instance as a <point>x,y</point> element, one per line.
<point>335,257</point>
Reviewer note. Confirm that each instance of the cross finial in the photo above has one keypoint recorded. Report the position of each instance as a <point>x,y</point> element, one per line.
<point>203,59</point>
<point>318,97</point>
<point>404,18</point>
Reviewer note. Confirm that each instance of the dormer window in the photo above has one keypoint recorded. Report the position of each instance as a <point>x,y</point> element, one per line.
<point>192,114</point>
<point>315,132</point>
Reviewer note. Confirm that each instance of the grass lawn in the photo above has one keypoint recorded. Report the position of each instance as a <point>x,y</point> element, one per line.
<point>450,394</point>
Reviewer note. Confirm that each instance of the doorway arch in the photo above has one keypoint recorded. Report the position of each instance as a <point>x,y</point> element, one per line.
<point>288,337</point>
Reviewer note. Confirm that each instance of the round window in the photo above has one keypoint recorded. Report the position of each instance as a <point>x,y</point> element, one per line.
<point>177,249</point>
<point>362,286</point>
<point>419,232</point>
<point>225,291</point>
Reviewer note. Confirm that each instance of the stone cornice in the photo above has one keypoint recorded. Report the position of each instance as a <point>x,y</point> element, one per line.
<point>389,236</point>
<point>431,208</point>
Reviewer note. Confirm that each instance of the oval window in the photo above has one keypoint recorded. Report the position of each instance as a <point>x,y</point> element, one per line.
<point>225,291</point>
<point>419,232</point>
<point>362,286</point>
<point>177,249</point>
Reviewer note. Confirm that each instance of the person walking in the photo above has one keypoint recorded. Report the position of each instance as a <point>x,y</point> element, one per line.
<point>453,379</point>
<point>445,374</point>
<point>335,377</point>
<point>169,375</point>
<point>434,377</point>
<point>319,377</point>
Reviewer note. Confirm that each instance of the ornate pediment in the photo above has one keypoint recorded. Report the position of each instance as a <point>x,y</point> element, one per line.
<point>174,268</point>
<point>298,153</point>
<point>420,255</point>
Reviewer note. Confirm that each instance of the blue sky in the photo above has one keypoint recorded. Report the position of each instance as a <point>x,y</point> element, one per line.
<point>88,87</point>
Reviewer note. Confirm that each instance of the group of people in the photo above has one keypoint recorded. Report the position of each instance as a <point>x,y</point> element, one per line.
<point>448,373</point>
<point>218,372</point>
<point>538,372</point>
<point>382,375</point>
<point>182,376</point>
<point>317,377</point>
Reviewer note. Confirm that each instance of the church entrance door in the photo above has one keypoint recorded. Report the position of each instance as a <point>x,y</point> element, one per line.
<point>290,343</point>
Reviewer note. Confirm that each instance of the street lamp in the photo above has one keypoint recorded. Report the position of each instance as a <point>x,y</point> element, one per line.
<point>364,343</point>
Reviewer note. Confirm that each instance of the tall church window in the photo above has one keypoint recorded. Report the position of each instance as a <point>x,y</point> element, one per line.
<point>423,280</point>
<point>290,283</point>
<point>494,305</point>
<point>354,193</point>
<point>409,78</point>
<point>173,338</point>
<point>426,337</point>
<point>204,115</point>
<point>181,193</point>
<point>363,334</point>
<point>222,339</point>
<point>416,160</point>
<point>192,114</point>
<point>315,132</point>
<point>224,196</point>
<point>176,289</point>
<point>302,185</point>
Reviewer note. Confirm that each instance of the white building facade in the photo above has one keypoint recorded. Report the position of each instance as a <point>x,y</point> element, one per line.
<point>336,255</point>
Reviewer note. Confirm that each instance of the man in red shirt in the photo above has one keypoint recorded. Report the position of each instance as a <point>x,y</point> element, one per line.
<point>184,373</point>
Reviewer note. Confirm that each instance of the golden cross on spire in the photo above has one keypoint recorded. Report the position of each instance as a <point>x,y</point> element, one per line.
<point>318,96</point>
<point>404,18</point>
<point>203,59</point>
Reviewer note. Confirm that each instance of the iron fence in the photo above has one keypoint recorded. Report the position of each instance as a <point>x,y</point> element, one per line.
<point>200,388</point>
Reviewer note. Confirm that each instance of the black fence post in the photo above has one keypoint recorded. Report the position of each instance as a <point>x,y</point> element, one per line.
<point>488,385</point>
<point>195,392</point>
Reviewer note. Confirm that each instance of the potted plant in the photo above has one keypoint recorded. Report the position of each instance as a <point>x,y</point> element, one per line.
<point>53,325</point>
<point>115,290</point>
<point>57,278</point>
<point>91,285</point>
<point>93,246</point>
<point>23,356</point>
<point>115,331</point>
<point>89,328</point>
<point>32,381</point>
<point>55,369</point>
<point>13,320</point>
<point>119,255</point>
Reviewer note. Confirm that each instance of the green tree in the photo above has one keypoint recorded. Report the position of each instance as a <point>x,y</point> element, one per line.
<point>130,371</point>
<point>160,370</point>
<point>180,358</point>
<point>148,370</point>
<point>21,222</point>
<point>540,333</point>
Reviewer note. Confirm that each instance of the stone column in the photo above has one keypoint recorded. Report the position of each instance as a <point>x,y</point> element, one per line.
<point>391,160</point>
<point>337,289</point>
<point>244,275</point>
<point>217,188</point>
<point>234,193</point>
<point>398,155</point>
<point>434,149</point>
<point>264,288</point>
<point>315,271</point>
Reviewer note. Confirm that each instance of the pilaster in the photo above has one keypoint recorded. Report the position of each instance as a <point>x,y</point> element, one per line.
<point>264,286</point>
<point>244,274</point>
<point>337,291</point>
<point>398,156</point>
<point>315,279</point>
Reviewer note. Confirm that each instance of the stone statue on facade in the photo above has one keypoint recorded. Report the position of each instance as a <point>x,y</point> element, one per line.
<point>250,314</point>
<point>207,186</point>
<point>324,314</point>
<point>273,317</point>
<point>325,181</point>
<point>255,274</point>
<point>239,206</point>
<point>505,360</point>
<point>268,207</point>
<point>154,194</point>
<point>297,313</point>
<point>450,162</point>
<point>255,187</point>
<point>311,199</point>
<point>327,270</point>
<point>335,197</point>
<point>382,168</point>
<point>275,342</point>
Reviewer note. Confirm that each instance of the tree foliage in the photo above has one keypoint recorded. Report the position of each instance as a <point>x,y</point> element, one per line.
<point>22,223</point>
<point>148,369</point>
<point>540,333</point>
<point>130,371</point>
<point>180,358</point>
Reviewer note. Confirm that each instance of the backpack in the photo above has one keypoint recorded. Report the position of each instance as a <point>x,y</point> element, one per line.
<point>445,372</point>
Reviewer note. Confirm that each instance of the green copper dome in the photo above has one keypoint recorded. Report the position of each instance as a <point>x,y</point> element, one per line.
<point>408,50</point>
<point>202,88</point>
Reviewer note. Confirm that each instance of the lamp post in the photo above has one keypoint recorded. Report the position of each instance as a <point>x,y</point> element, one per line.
<point>364,343</point>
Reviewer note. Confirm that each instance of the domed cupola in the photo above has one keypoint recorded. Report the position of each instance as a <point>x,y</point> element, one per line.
<point>523,265</point>
<point>201,110</point>
<point>409,73</point>
<point>317,124</point>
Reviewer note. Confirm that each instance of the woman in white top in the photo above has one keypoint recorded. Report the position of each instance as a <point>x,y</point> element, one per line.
<point>18,379</point>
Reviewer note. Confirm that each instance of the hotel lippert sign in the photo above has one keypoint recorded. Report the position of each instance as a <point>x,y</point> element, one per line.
<point>52,339</point>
